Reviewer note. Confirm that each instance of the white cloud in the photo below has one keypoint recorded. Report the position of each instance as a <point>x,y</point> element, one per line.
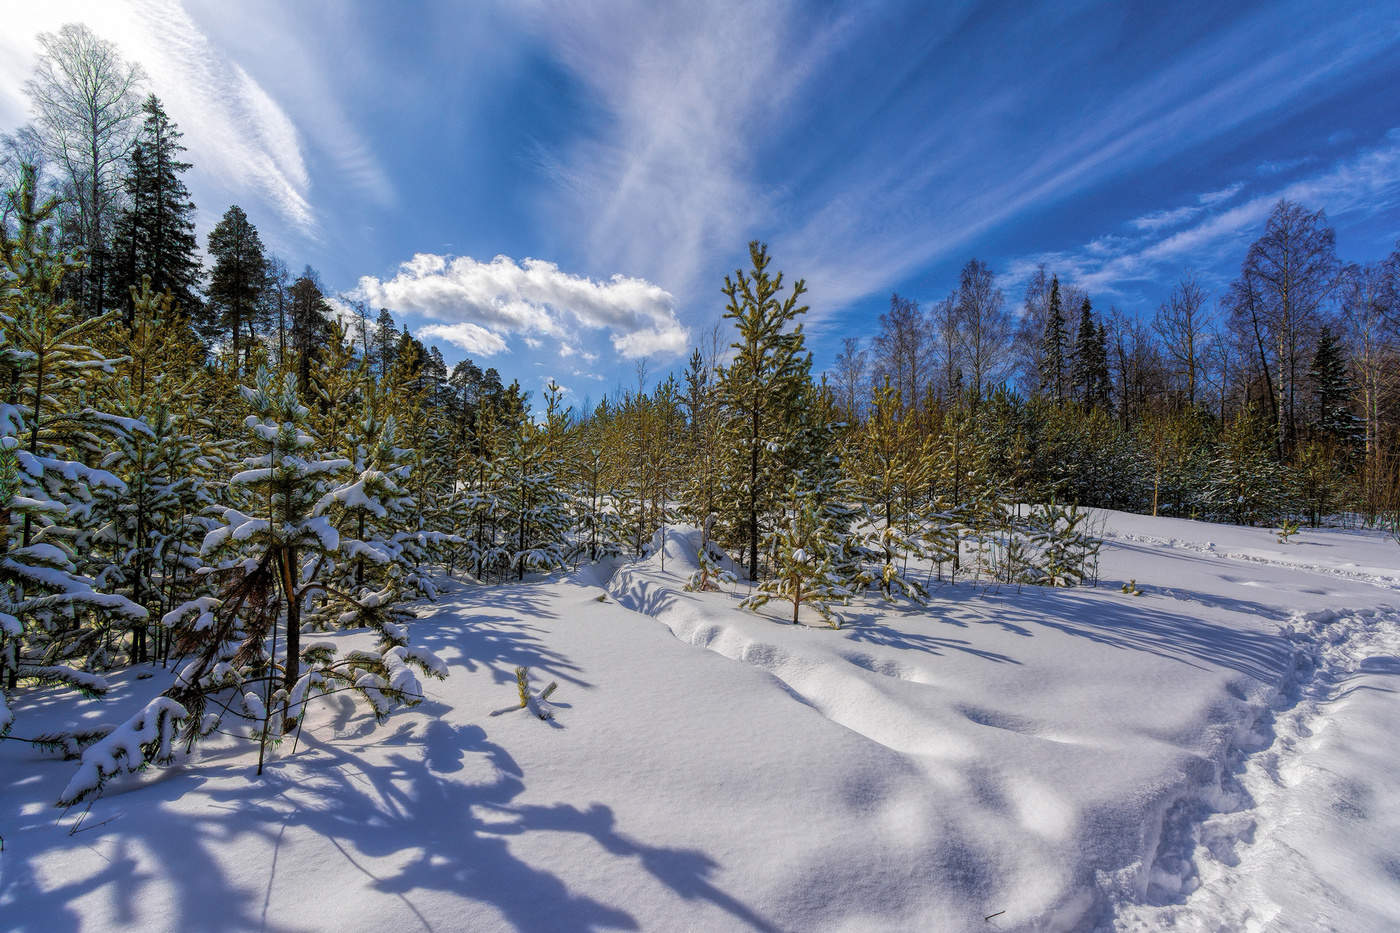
<point>472,338</point>
<point>666,182</point>
<point>1157,220</point>
<point>1220,195</point>
<point>348,316</point>
<point>532,298</point>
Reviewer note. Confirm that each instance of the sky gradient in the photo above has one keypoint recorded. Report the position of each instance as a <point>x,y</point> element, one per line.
<point>557,190</point>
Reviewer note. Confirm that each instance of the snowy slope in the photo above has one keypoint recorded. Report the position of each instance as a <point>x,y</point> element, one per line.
<point>1213,753</point>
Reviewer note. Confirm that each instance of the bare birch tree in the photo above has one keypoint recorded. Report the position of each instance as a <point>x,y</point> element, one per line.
<point>86,102</point>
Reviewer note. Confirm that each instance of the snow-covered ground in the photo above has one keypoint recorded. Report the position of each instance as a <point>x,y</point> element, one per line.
<point>1216,753</point>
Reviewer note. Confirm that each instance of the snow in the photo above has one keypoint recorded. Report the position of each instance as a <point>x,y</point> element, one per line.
<point>1214,754</point>
<point>120,749</point>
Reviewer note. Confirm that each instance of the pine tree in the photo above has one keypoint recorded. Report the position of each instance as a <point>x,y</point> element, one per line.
<point>1247,486</point>
<point>890,471</point>
<point>374,514</point>
<point>600,532</point>
<point>534,514</point>
<point>279,513</point>
<point>710,562</point>
<point>702,489</point>
<point>275,553</point>
<point>761,389</point>
<point>818,465</point>
<point>386,343</point>
<point>155,230</point>
<point>151,527</point>
<point>46,487</point>
<point>803,572</point>
<point>310,329</point>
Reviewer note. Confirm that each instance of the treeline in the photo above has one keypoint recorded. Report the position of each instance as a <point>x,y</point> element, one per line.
<point>1280,398</point>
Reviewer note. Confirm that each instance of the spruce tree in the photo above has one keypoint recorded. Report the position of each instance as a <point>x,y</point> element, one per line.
<point>1052,357</point>
<point>1085,364</point>
<point>1333,390</point>
<point>155,230</point>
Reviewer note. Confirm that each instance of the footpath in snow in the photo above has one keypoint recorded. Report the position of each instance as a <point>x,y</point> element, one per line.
<point>1213,754</point>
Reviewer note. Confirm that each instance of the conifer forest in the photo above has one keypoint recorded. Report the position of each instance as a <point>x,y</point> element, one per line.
<point>1007,599</point>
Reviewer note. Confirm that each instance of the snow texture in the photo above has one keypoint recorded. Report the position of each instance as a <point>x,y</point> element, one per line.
<point>1217,753</point>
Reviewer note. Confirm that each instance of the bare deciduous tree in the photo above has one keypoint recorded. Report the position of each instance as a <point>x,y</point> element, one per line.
<point>1371,306</point>
<point>943,320</point>
<point>1029,346</point>
<point>1289,274</point>
<point>1182,323</point>
<point>849,375</point>
<point>984,327</point>
<point>901,349</point>
<point>85,100</point>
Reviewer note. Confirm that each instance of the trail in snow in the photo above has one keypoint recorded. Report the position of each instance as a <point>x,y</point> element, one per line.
<point>1309,815</point>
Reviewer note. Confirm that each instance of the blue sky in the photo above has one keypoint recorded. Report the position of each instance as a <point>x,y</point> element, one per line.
<point>558,189</point>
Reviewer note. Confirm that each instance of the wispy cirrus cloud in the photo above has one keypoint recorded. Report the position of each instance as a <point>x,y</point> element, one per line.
<point>666,177</point>
<point>1158,220</point>
<point>674,174</point>
<point>247,143</point>
<point>1220,195</point>
<point>1176,216</point>
<point>983,160</point>
<point>1362,184</point>
<point>482,303</point>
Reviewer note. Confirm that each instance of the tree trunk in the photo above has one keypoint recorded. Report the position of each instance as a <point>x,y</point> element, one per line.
<point>292,668</point>
<point>753,495</point>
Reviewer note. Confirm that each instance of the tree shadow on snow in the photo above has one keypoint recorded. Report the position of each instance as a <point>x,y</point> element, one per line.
<point>868,629</point>
<point>1148,624</point>
<point>436,827</point>
<point>471,629</point>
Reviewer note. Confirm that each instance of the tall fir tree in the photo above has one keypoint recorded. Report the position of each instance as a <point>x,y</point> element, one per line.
<point>1082,362</point>
<point>155,235</point>
<point>1052,358</point>
<point>1333,390</point>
